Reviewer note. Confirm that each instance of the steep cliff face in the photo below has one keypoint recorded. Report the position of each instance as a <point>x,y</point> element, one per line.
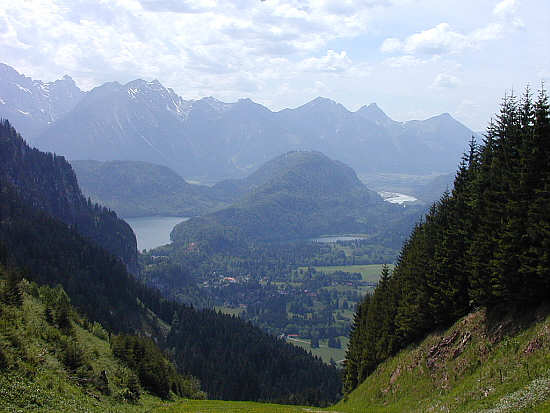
<point>47,182</point>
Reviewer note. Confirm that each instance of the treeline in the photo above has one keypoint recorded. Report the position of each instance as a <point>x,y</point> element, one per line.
<point>156,374</point>
<point>485,244</point>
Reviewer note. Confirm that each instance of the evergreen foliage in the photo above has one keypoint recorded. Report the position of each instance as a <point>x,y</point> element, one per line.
<point>156,374</point>
<point>47,182</point>
<point>237,361</point>
<point>485,244</point>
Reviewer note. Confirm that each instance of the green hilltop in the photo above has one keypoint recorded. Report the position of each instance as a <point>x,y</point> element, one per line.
<point>297,195</point>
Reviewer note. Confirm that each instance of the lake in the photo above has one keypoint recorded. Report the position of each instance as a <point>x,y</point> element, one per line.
<point>396,197</point>
<point>152,232</point>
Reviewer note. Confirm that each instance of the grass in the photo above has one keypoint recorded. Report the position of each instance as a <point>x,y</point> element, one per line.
<point>33,377</point>
<point>492,365</point>
<point>219,406</point>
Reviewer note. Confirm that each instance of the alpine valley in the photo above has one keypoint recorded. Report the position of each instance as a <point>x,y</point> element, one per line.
<point>297,283</point>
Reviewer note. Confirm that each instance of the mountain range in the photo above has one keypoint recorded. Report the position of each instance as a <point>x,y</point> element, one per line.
<point>210,140</point>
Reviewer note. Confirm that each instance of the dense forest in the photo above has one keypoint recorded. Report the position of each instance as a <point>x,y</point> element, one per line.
<point>47,181</point>
<point>485,244</point>
<point>50,252</point>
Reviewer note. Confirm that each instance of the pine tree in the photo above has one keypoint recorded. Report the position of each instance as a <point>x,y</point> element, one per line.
<point>12,293</point>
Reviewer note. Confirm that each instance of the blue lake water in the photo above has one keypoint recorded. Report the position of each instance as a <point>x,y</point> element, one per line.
<point>152,232</point>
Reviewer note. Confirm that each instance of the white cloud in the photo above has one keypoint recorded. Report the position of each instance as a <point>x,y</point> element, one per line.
<point>178,6</point>
<point>505,7</point>
<point>438,40</point>
<point>442,39</point>
<point>331,62</point>
<point>391,45</point>
<point>506,11</point>
<point>445,81</point>
<point>403,61</point>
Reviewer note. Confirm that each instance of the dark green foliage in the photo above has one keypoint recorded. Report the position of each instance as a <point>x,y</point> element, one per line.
<point>236,361</point>
<point>47,182</point>
<point>73,355</point>
<point>12,293</point>
<point>133,390</point>
<point>485,244</point>
<point>101,383</point>
<point>156,374</point>
<point>4,363</point>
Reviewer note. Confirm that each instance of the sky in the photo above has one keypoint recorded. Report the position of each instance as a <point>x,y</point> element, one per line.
<point>414,58</point>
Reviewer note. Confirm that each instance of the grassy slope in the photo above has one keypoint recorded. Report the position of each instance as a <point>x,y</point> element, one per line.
<point>481,364</point>
<point>36,379</point>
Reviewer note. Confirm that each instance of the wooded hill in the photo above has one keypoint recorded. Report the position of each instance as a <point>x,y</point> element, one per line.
<point>134,189</point>
<point>485,244</point>
<point>298,195</point>
<point>51,252</point>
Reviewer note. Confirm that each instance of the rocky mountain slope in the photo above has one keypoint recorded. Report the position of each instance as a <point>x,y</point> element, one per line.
<point>211,140</point>
<point>32,105</point>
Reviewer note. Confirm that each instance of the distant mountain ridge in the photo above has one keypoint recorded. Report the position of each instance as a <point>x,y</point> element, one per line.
<point>137,188</point>
<point>32,105</point>
<point>212,140</point>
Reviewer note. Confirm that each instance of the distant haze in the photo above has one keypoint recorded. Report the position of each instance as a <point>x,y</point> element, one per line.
<point>211,140</point>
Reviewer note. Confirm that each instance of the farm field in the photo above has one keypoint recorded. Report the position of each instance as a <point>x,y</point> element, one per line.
<point>370,273</point>
<point>323,351</point>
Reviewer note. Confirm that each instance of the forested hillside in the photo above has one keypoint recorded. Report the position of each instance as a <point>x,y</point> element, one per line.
<point>54,359</point>
<point>98,284</point>
<point>47,181</point>
<point>485,244</point>
<point>134,189</point>
<point>298,195</point>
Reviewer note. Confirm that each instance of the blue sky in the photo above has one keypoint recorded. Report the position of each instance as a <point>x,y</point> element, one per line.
<point>414,58</point>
